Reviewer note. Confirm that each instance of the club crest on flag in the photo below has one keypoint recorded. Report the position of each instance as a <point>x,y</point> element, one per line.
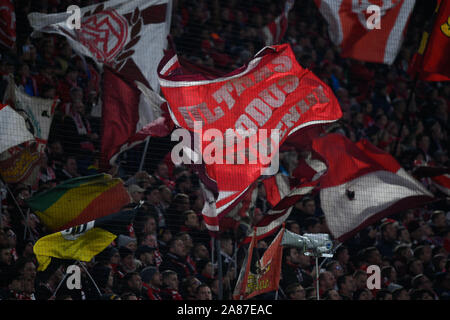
<point>104,33</point>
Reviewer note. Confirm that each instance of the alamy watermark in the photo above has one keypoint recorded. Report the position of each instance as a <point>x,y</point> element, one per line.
<point>74,20</point>
<point>235,146</point>
<point>374,277</point>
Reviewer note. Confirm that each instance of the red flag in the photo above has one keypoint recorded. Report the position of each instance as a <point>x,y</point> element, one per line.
<point>7,23</point>
<point>130,114</point>
<point>271,92</point>
<point>363,184</point>
<point>349,27</point>
<point>275,30</point>
<point>431,61</point>
<point>442,183</point>
<point>260,275</point>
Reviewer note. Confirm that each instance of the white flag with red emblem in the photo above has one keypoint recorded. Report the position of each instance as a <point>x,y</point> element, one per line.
<point>363,184</point>
<point>129,36</point>
<point>367,30</point>
<point>7,23</point>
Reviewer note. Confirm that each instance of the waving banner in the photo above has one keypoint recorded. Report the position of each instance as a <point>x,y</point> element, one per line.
<point>266,100</point>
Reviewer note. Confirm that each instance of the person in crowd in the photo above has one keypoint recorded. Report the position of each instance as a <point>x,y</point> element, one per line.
<point>151,283</point>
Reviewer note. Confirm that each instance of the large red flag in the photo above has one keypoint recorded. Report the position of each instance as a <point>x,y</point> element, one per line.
<point>348,27</point>
<point>363,184</point>
<point>431,61</point>
<point>130,114</point>
<point>271,92</point>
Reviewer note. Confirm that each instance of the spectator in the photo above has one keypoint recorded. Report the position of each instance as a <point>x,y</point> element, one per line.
<point>151,282</point>
<point>295,291</point>
<point>203,292</point>
<point>175,259</point>
<point>169,290</point>
<point>293,269</point>
<point>346,287</point>
<point>132,283</point>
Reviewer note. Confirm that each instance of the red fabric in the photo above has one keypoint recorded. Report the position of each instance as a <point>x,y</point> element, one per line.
<point>355,39</point>
<point>268,270</point>
<point>436,59</point>
<point>120,114</point>
<point>8,23</point>
<point>273,84</point>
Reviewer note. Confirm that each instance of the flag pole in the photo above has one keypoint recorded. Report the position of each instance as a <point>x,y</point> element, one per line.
<point>141,165</point>
<point>17,205</point>
<point>317,278</point>
<point>59,285</point>
<point>423,47</point>
<point>220,271</point>
<point>90,277</point>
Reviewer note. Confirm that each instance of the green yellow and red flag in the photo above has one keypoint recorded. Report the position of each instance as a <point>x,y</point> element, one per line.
<point>79,200</point>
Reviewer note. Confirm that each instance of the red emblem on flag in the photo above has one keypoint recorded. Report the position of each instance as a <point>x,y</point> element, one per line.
<point>105,34</point>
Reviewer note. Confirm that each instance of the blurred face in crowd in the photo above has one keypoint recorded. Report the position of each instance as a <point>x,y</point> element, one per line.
<point>71,166</point>
<point>5,256</point>
<point>183,204</point>
<point>150,225</point>
<point>178,248</point>
<point>327,281</point>
<point>309,207</point>
<point>227,246</point>
<point>187,241</point>
<point>390,232</point>
<point>365,295</point>
<point>29,271</point>
<point>360,281</point>
<point>294,256</point>
<point>163,171</point>
<point>204,293</point>
<point>154,197</point>
<point>135,282</point>
<point>294,227</point>
<point>150,240</point>
<point>348,285</point>
<point>416,267</point>
<point>201,252</point>
<point>298,294</point>
<point>137,196</point>
<point>156,280</point>
<point>336,270</point>
<point>129,263</point>
<point>404,295</point>
<point>171,281</point>
<point>166,194</point>
<point>343,256</point>
<point>440,220</point>
<point>192,220</point>
<point>334,295</point>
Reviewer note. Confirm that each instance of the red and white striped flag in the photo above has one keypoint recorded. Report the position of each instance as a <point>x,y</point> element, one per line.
<point>348,27</point>
<point>7,23</point>
<point>275,30</point>
<point>363,184</point>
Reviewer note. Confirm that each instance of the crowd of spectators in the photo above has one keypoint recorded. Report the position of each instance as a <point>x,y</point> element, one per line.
<point>168,254</point>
